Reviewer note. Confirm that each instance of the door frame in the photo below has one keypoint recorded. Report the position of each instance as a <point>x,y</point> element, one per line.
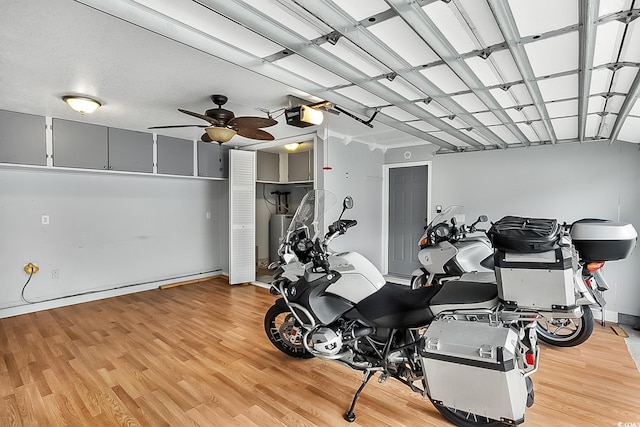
<point>385,204</point>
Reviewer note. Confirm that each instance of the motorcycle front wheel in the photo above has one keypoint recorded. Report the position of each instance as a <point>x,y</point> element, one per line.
<point>566,332</point>
<point>284,332</point>
<point>418,281</point>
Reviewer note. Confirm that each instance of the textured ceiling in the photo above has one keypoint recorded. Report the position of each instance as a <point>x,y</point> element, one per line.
<point>463,75</point>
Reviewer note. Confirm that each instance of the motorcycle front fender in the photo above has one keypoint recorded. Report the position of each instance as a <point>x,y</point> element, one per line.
<point>417,272</point>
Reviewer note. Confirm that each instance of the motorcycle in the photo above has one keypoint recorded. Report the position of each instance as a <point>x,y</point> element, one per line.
<point>449,250</point>
<point>455,343</point>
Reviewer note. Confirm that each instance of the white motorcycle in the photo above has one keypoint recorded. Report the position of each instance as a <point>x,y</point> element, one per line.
<point>449,250</point>
<point>455,343</point>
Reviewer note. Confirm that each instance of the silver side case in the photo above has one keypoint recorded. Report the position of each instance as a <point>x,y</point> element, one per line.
<point>536,288</point>
<point>474,367</point>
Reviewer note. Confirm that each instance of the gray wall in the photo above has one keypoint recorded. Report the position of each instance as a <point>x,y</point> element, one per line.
<point>567,182</point>
<point>356,172</point>
<point>106,231</point>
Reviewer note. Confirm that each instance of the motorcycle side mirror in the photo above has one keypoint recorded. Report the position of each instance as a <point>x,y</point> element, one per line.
<point>347,203</point>
<point>483,218</point>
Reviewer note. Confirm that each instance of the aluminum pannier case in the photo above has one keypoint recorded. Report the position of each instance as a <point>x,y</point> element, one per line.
<point>540,281</point>
<point>473,367</point>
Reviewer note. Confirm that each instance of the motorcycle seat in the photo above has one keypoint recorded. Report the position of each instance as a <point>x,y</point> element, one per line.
<point>398,306</point>
<point>460,294</point>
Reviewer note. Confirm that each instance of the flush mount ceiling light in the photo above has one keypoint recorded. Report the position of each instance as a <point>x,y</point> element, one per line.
<point>292,147</point>
<point>82,104</point>
<point>220,134</point>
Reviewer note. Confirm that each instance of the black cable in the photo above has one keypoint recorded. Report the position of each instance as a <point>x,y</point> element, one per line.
<point>25,287</point>
<point>107,290</point>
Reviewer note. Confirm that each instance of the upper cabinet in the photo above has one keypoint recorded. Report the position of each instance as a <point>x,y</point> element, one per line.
<point>300,166</point>
<point>175,156</point>
<point>83,145</point>
<point>25,140</point>
<point>284,168</point>
<point>213,160</point>
<point>80,145</point>
<point>22,139</point>
<point>130,151</point>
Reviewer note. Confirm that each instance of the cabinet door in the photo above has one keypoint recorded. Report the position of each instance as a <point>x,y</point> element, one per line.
<point>213,160</point>
<point>300,166</point>
<point>268,165</point>
<point>22,139</point>
<point>130,151</point>
<point>175,156</point>
<point>79,145</point>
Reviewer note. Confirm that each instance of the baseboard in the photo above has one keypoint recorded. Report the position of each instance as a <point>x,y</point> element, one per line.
<point>609,316</point>
<point>629,319</point>
<point>94,296</point>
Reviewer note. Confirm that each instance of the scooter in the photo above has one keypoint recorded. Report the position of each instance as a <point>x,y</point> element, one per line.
<point>449,250</point>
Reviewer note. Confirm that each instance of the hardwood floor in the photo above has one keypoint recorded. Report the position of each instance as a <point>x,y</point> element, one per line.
<point>197,355</point>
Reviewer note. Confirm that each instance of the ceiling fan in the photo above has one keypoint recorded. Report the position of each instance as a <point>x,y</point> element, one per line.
<point>224,125</point>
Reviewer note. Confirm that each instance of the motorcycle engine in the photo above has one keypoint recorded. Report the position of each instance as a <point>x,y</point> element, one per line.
<point>326,342</point>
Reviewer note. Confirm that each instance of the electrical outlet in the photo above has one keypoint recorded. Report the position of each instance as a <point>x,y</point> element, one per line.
<point>31,268</point>
<point>208,215</point>
<point>45,219</point>
<point>55,274</point>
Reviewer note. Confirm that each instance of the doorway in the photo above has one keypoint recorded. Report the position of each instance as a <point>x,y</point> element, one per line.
<point>283,177</point>
<point>408,201</point>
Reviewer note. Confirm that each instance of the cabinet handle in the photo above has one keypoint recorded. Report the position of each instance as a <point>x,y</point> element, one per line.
<point>110,167</point>
<point>104,167</point>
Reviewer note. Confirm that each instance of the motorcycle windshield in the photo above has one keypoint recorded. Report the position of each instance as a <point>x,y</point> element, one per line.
<point>453,211</point>
<point>311,211</point>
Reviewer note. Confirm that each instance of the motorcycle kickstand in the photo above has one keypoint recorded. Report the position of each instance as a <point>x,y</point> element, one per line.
<point>349,415</point>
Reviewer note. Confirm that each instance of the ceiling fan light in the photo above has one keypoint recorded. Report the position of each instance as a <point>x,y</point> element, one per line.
<point>292,147</point>
<point>220,134</point>
<point>82,104</point>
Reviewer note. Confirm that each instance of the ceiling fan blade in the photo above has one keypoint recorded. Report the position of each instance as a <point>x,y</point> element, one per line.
<point>177,126</point>
<point>252,122</point>
<point>254,133</point>
<point>200,116</point>
<point>206,138</point>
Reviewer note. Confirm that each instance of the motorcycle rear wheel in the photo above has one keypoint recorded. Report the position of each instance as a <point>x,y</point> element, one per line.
<point>284,332</point>
<point>566,332</point>
<point>465,419</point>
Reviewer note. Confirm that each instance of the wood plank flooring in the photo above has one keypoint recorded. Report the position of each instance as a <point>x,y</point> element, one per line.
<point>197,355</point>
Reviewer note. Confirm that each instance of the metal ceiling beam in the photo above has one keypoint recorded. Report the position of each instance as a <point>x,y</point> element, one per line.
<point>588,11</point>
<point>329,13</point>
<point>628,104</point>
<point>264,25</point>
<point>166,26</point>
<point>415,16</point>
<point>507,25</point>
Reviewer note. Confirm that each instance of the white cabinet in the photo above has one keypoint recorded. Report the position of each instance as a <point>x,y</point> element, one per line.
<point>285,168</point>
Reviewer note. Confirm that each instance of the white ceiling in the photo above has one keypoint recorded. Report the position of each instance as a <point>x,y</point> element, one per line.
<point>461,74</point>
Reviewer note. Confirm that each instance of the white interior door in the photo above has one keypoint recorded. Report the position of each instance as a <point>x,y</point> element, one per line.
<point>242,216</point>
